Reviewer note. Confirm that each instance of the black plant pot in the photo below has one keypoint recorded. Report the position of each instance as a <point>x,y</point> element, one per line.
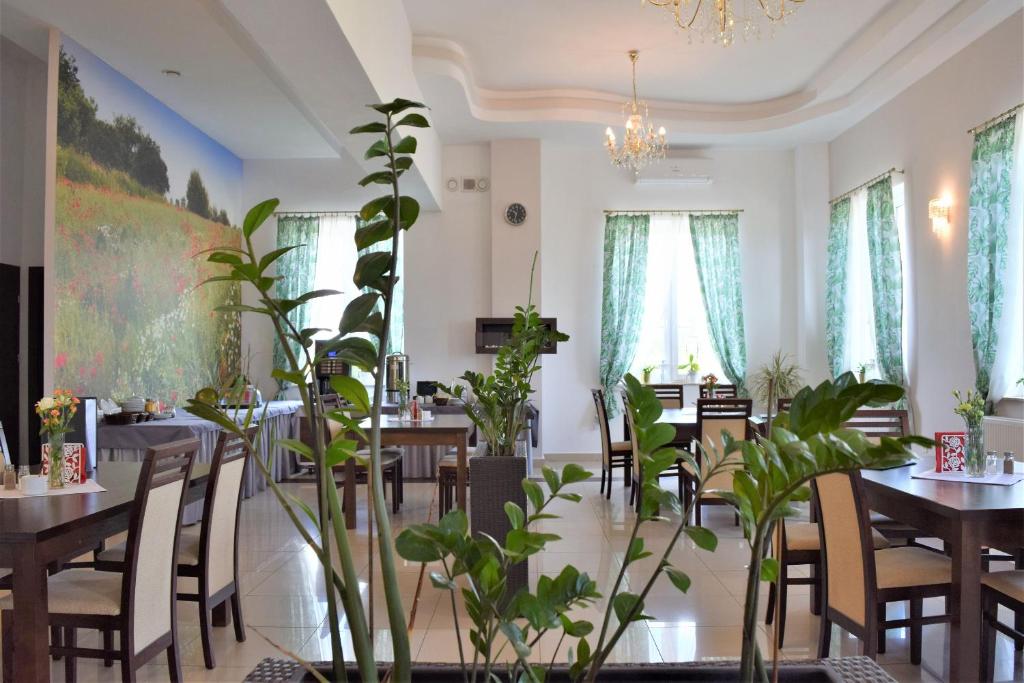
<point>493,481</point>
<point>620,673</point>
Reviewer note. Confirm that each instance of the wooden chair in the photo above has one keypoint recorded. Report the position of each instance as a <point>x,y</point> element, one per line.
<point>677,470</point>
<point>715,415</point>
<point>782,405</point>
<point>139,603</point>
<point>859,580</point>
<point>211,555</point>
<point>670,395</point>
<point>721,391</point>
<point>447,476</point>
<point>1000,589</point>
<point>614,454</point>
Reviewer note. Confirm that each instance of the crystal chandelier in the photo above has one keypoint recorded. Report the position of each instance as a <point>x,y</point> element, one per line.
<point>719,20</point>
<point>640,144</point>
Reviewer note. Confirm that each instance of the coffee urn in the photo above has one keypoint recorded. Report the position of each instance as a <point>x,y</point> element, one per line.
<point>397,372</point>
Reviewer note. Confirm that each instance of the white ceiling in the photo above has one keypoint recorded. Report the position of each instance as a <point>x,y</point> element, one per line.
<point>582,44</point>
<point>558,70</point>
<point>223,90</point>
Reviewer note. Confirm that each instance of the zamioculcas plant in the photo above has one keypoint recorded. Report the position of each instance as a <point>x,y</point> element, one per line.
<point>361,341</point>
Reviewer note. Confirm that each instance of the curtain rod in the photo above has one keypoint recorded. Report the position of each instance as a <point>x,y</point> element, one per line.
<point>676,212</point>
<point>995,119</point>
<point>865,184</point>
<point>316,213</point>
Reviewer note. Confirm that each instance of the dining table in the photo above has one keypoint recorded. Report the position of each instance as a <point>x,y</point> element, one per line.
<point>39,533</point>
<point>449,431</point>
<point>968,517</point>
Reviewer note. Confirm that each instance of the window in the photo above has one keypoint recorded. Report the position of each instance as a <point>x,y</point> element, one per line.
<point>860,307</point>
<point>674,323</point>
<point>1008,368</point>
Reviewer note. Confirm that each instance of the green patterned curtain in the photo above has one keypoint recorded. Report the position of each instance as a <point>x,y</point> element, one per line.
<point>296,270</point>
<point>622,299</point>
<point>396,332</point>
<point>886,281</point>
<point>716,249</point>
<point>835,285</point>
<point>991,168</point>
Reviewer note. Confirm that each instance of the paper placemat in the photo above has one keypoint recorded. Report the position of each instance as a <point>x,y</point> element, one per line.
<point>993,479</point>
<point>90,486</point>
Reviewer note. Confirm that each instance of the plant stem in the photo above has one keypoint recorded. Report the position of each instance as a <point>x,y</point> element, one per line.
<point>455,618</point>
<point>750,648</point>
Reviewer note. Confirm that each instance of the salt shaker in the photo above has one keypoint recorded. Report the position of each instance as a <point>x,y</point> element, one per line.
<point>10,480</point>
<point>1007,462</point>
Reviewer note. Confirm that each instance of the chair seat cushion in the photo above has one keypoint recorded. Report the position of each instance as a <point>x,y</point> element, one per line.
<point>1010,584</point>
<point>910,566</point>
<point>80,591</point>
<point>188,550</point>
<point>804,536</point>
<point>622,447</point>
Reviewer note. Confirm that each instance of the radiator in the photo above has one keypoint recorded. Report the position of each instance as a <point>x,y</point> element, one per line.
<point>1005,434</point>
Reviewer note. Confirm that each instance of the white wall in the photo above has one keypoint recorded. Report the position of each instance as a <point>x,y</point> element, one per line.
<point>923,131</point>
<point>578,184</point>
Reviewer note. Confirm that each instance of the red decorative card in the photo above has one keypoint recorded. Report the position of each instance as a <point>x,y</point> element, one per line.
<point>950,451</point>
<point>74,462</point>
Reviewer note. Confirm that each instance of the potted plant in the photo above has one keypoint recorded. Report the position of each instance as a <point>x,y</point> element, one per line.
<point>498,404</point>
<point>647,371</point>
<point>862,370</point>
<point>779,378</point>
<point>971,408</point>
<point>710,381</point>
<point>690,368</point>
<point>361,341</point>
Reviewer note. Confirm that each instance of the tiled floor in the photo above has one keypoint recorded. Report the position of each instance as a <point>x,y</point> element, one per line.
<point>284,604</point>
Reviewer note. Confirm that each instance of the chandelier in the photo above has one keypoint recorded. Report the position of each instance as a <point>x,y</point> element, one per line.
<point>640,144</point>
<point>719,20</point>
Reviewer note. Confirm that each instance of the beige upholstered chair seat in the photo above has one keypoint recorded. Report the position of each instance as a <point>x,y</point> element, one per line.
<point>80,591</point>
<point>622,447</point>
<point>910,566</point>
<point>188,549</point>
<point>1010,584</point>
<point>804,536</point>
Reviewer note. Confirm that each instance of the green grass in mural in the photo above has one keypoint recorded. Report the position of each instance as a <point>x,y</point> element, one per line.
<point>79,168</point>
<point>131,317</point>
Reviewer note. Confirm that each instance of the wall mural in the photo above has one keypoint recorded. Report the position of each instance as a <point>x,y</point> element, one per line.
<point>140,192</point>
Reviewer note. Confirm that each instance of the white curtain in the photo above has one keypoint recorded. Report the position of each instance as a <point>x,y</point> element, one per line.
<point>1008,367</point>
<point>674,323</point>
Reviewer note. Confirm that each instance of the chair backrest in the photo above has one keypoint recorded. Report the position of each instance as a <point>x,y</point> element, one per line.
<point>218,536</point>
<point>602,423</point>
<point>670,395</point>
<point>782,405</point>
<point>149,589</point>
<point>844,527</point>
<point>878,423</point>
<point>721,391</point>
<point>627,418</point>
<point>715,415</point>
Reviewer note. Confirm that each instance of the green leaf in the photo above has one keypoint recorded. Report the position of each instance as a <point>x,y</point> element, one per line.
<point>339,450</point>
<point>224,257</point>
<point>375,231</point>
<point>375,206</point>
<point>416,120</point>
<point>370,267</point>
<point>534,493</point>
<point>414,546</point>
<point>272,256</point>
<point>357,311</point>
<point>396,106</point>
<point>678,578</point>
<point>576,629</point>
<point>296,446</point>
<point>375,127</point>
<point>552,479</point>
<point>257,215</point>
<point>515,515</point>
<point>573,474</point>
<point>769,569</point>
<point>317,294</point>
<point>400,163</point>
<point>352,390</point>
<point>356,351</point>
<point>379,177</point>
<point>287,376</point>
<point>704,538</point>
<point>406,145</point>
<point>377,149</point>
<point>441,581</point>
<point>636,550</point>
<point>624,603</point>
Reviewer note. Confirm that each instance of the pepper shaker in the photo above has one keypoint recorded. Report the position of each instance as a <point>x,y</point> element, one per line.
<point>1007,462</point>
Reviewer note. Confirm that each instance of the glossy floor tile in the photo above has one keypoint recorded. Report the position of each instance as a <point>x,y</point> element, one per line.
<point>285,606</point>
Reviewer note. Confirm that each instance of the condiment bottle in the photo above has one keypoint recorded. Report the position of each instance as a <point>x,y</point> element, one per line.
<point>10,479</point>
<point>1007,462</point>
<point>414,412</point>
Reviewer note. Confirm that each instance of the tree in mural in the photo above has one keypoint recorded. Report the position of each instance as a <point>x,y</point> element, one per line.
<point>196,198</point>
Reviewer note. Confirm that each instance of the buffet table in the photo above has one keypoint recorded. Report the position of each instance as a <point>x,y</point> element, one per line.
<point>129,442</point>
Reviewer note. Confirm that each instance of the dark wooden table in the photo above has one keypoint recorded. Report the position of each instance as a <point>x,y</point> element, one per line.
<point>442,430</point>
<point>967,517</point>
<point>683,419</point>
<point>35,532</point>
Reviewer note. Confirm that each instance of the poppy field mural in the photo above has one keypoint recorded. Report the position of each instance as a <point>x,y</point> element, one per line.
<point>141,194</point>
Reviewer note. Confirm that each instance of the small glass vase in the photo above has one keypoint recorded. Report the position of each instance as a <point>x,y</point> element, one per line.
<point>974,464</point>
<point>56,472</point>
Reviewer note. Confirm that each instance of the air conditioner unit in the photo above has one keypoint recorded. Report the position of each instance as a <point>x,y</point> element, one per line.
<point>677,171</point>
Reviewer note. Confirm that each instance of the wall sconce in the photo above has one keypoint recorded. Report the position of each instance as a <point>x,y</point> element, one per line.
<point>938,212</point>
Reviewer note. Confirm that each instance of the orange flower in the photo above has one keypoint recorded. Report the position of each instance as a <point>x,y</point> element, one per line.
<point>55,412</point>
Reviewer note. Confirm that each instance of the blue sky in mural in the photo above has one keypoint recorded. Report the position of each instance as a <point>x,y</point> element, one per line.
<point>183,146</point>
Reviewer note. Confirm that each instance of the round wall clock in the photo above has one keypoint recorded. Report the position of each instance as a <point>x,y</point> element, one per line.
<point>515,214</point>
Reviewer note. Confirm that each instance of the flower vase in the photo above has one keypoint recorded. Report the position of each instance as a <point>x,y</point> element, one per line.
<point>975,452</point>
<point>56,466</point>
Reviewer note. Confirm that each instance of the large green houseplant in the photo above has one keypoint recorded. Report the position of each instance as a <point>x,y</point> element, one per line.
<point>361,341</point>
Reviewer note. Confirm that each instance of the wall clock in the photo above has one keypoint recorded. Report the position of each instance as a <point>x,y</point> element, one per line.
<point>515,214</point>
